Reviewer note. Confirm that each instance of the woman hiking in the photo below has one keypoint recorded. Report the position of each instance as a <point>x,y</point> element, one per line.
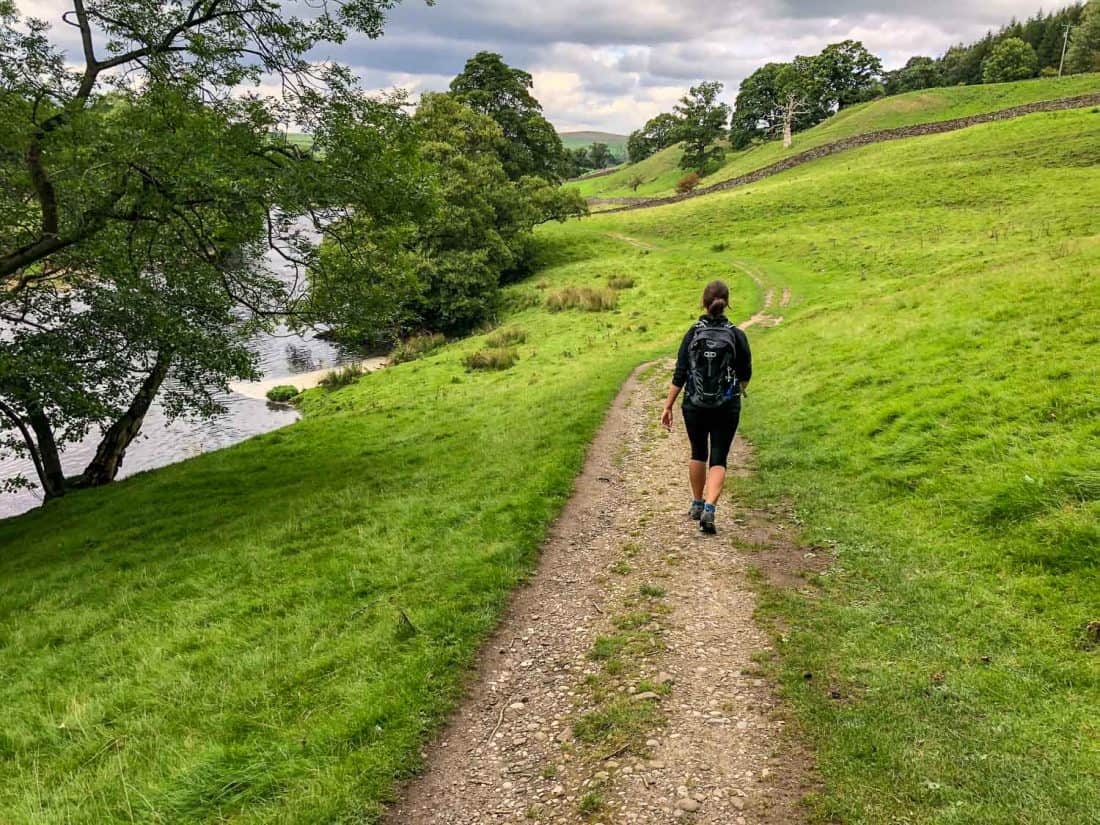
<point>713,368</point>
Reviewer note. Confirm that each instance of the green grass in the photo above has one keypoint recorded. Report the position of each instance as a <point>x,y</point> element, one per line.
<point>930,405</point>
<point>267,633</point>
<point>661,171</point>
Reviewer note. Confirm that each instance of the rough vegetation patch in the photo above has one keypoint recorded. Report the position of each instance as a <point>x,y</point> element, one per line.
<point>416,346</point>
<point>282,393</point>
<point>496,358</point>
<point>586,298</point>
<point>342,377</point>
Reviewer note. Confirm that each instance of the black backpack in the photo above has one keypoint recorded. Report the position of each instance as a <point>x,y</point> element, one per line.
<point>711,357</point>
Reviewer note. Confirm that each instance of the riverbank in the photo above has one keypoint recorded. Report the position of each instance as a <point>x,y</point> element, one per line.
<point>301,381</point>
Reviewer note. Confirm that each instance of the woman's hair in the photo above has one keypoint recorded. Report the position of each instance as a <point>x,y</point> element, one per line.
<point>716,297</point>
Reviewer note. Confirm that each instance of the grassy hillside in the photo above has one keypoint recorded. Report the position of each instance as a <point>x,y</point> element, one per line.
<point>579,140</point>
<point>661,171</point>
<point>266,633</point>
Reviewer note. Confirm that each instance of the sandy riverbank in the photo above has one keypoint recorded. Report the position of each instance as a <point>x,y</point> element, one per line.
<point>303,381</point>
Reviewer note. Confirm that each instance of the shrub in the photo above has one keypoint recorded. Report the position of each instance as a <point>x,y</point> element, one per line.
<point>721,246</point>
<point>416,346</point>
<point>635,182</point>
<point>506,337</point>
<point>498,358</point>
<point>583,297</point>
<point>342,377</point>
<point>687,183</point>
<point>620,282</point>
<point>282,393</point>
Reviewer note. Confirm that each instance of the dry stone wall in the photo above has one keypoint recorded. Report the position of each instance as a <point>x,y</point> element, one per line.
<point>918,130</point>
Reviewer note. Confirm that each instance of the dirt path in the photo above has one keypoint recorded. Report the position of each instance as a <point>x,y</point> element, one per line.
<point>764,317</point>
<point>622,685</point>
<point>632,241</point>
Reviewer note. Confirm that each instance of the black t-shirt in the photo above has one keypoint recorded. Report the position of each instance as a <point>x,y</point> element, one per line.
<point>742,363</point>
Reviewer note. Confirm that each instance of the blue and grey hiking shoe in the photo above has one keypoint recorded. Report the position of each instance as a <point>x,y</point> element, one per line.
<point>696,510</point>
<point>706,523</point>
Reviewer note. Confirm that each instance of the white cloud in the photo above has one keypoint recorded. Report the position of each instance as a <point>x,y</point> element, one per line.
<point>605,65</point>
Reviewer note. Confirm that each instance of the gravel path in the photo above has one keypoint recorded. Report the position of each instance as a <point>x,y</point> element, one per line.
<point>714,749</point>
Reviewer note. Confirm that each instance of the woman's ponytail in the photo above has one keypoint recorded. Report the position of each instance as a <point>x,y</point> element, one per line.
<point>716,297</point>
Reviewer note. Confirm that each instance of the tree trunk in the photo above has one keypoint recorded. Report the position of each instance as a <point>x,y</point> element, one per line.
<point>108,457</point>
<point>50,472</point>
<point>47,460</point>
<point>787,139</point>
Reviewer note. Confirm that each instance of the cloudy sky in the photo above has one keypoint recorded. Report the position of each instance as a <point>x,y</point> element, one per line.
<point>612,64</point>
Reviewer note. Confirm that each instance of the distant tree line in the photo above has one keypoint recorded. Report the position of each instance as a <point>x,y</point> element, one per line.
<point>1017,51</point>
<point>584,159</point>
<point>779,100</point>
<point>140,193</point>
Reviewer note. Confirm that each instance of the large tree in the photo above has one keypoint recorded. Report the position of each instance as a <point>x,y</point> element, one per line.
<point>658,133</point>
<point>472,237</point>
<point>1084,48</point>
<point>846,73</point>
<point>1011,59</point>
<point>490,86</point>
<point>139,189</point>
<point>757,105</point>
<point>779,99</point>
<point>800,96</point>
<point>703,120</point>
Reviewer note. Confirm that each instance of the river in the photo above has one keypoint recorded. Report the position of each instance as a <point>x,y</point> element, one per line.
<point>282,354</point>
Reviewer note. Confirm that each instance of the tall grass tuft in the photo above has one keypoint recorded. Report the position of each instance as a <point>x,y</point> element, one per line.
<point>506,337</point>
<point>585,298</point>
<point>416,346</point>
<point>342,377</point>
<point>497,358</point>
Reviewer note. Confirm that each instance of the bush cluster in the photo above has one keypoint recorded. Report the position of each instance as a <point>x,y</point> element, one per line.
<point>620,282</point>
<point>688,182</point>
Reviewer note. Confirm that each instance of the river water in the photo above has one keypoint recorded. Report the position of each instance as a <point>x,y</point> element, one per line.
<point>281,353</point>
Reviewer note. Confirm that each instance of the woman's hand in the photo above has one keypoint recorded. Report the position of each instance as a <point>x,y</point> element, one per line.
<point>666,417</point>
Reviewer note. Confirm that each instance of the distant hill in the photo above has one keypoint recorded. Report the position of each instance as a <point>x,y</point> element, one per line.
<point>576,140</point>
<point>660,172</point>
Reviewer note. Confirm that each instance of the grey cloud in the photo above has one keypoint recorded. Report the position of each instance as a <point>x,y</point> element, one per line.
<point>611,65</point>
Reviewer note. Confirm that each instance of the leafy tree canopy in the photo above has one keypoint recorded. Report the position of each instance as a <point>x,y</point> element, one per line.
<point>702,123</point>
<point>1011,59</point>
<point>1084,48</point>
<point>658,133</point>
<point>490,86</point>
<point>845,73</point>
<point>139,191</point>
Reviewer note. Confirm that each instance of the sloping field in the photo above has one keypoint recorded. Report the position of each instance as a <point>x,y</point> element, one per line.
<point>661,171</point>
<point>267,633</point>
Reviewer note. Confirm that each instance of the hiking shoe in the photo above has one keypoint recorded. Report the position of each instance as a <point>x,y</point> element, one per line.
<point>696,511</point>
<point>706,523</point>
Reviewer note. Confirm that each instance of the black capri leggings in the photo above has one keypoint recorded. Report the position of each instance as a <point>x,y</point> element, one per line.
<point>716,425</point>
